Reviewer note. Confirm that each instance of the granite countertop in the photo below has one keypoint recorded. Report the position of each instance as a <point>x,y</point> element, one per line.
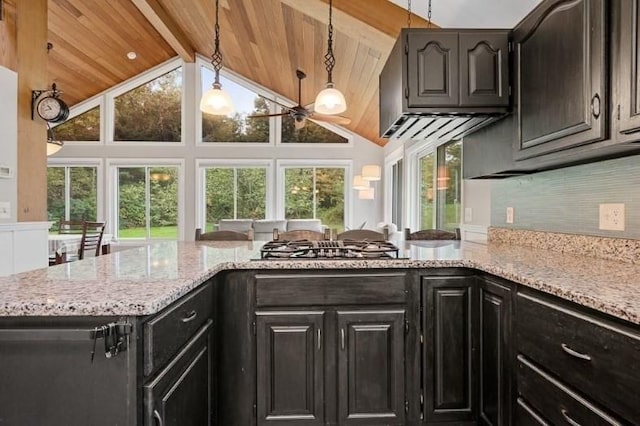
<point>144,280</point>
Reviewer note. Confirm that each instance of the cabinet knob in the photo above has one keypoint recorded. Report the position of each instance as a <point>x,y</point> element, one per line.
<point>595,106</point>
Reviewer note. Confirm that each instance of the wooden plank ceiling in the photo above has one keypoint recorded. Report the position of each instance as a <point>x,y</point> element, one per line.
<point>264,41</point>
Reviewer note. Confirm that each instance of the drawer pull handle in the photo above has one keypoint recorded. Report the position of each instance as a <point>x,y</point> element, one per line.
<point>157,417</point>
<point>568,418</point>
<point>342,338</point>
<point>595,106</point>
<point>319,335</point>
<point>190,316</point>
<point>576,354</point>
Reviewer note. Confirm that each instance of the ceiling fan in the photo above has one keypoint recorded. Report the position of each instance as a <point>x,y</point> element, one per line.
<point>300,114</point>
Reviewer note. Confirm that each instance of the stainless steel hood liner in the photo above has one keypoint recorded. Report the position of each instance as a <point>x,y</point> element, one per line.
<point>439,127</point>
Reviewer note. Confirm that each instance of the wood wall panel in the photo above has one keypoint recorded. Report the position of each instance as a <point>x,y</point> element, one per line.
<point>32,135</point>
<point>8,34</point>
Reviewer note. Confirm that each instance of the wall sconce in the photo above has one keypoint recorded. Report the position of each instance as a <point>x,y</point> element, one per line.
<point>359,183</point>
<point>366,194</point>
<point>53,145</point>
<point>371,172</point>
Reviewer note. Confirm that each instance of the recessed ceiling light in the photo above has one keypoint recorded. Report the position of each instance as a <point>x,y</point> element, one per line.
<point>132,55</point>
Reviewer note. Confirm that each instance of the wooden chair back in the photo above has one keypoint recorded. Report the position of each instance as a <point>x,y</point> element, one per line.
<point>298,234</point>
<point>432,234</point>
<point>70,226</point>
<point>92,233</point>
<point>224,235</point>
<point>364,234</point>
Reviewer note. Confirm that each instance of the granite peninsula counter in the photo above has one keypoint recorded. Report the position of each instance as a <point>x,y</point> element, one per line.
<point>143,281</point>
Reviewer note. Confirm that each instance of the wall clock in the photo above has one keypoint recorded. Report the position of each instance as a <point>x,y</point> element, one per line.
<point>52,109</point>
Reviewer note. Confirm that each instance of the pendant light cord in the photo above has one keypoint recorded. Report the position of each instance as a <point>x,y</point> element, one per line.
<point>428,13</point>
<point>329,59</point>
<point>216,58</point>
<point>409,14</point>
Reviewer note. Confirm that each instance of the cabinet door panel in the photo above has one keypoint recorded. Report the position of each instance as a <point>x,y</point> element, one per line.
<point>495,353</point>
<point>484,68</point>
<point>180,395</point>
<point>560,62</point>
<point>290,368</point>
<point>432,71</point>
<point>448,364</point>
<point>371,367</point>
<point>629,61</point>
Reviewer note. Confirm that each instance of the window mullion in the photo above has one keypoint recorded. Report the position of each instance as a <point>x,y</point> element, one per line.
<point>313,189</point>
<point>147,203</point>
<point>235,192</point>
<point>67,193</point>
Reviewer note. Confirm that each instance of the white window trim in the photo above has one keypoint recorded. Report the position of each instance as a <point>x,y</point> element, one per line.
<point>86,162</point>
<point>249,85</point>
<point>281,165</point>
<point>203,164</point>
<point>140,79</point>
<point>390,160</point>
<point>81,108</point>
<point>112,199</point>
<point>412,174</point>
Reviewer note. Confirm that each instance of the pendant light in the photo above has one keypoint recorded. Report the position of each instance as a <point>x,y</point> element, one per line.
<point>371,172</point>
<point>215,100</point>
<point>53,145</point>
<point>359,183</point>
<point>330,100</point>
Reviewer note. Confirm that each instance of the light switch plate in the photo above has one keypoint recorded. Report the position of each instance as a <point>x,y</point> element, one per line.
<point>510,214</point>
<point>5,210</point>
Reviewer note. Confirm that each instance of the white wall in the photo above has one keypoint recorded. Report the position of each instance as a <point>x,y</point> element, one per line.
<point>359,153</point>
<point>9,141</point>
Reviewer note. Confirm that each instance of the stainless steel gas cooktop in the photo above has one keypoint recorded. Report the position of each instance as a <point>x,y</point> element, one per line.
<point>343,249</point>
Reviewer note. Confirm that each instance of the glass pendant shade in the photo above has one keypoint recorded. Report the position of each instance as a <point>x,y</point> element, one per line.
<point>366,194</point>
<point>330,101</point>
<point>359,183</point>
<point>53,147</point>
<point>371,172</point>
<point>216,101</point>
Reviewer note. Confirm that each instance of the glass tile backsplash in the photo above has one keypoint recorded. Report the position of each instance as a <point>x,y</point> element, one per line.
<point>567,200</point>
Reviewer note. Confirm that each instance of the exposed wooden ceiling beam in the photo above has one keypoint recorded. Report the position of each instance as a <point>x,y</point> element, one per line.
<point>167,28</point>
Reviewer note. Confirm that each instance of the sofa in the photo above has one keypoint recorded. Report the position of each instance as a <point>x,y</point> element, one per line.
<point>263,228</point>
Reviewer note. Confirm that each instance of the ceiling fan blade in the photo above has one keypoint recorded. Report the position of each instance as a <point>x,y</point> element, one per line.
<point>337,119</point>
<point>268,115</point>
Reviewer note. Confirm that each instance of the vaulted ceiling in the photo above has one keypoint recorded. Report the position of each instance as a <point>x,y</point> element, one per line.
<point>264,41</point>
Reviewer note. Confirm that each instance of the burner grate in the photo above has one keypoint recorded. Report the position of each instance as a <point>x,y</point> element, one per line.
<point>347,249</point>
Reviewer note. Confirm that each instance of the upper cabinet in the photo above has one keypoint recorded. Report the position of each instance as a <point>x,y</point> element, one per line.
<point>434,75</point>
<point>560,69</point>
<point>628,105</point>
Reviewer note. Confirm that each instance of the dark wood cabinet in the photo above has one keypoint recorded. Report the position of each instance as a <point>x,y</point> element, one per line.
<point>181,394</point>
<point>290,368</point>
<point>494,372</point>
<point>371,367</point>
<point>560,67</point>
<point>452,68</point>
<point>628,73</point>
<point>449,324</point>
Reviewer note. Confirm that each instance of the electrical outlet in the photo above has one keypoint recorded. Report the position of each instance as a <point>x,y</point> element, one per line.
<point>612,217</point>
<point>510,214</point>
<point>468,214</point>
<point>5,210</point>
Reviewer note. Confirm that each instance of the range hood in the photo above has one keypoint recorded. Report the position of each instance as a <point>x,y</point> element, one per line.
<point>443,84</point>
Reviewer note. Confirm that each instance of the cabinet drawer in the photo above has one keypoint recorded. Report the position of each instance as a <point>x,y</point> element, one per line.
<point>527,416</point>
<point>165,333</point>
<point>338,289</point>
<point>555,401</point>
<point>599,357</point>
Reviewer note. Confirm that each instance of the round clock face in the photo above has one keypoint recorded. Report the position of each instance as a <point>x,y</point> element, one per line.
<point>51,109</point>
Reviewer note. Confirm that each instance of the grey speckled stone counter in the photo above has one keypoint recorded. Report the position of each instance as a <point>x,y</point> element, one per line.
<point>143,281</point>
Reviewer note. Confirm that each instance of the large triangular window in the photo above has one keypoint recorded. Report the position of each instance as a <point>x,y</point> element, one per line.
<point>83,127</point>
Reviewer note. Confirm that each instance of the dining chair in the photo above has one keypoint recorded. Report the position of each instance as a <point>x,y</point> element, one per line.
<point>432,234</point>
<point>224,235</point>
<point>70,226</point>
<point>92,233</point>
<point>364,234</point>
<point>298,234</point>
